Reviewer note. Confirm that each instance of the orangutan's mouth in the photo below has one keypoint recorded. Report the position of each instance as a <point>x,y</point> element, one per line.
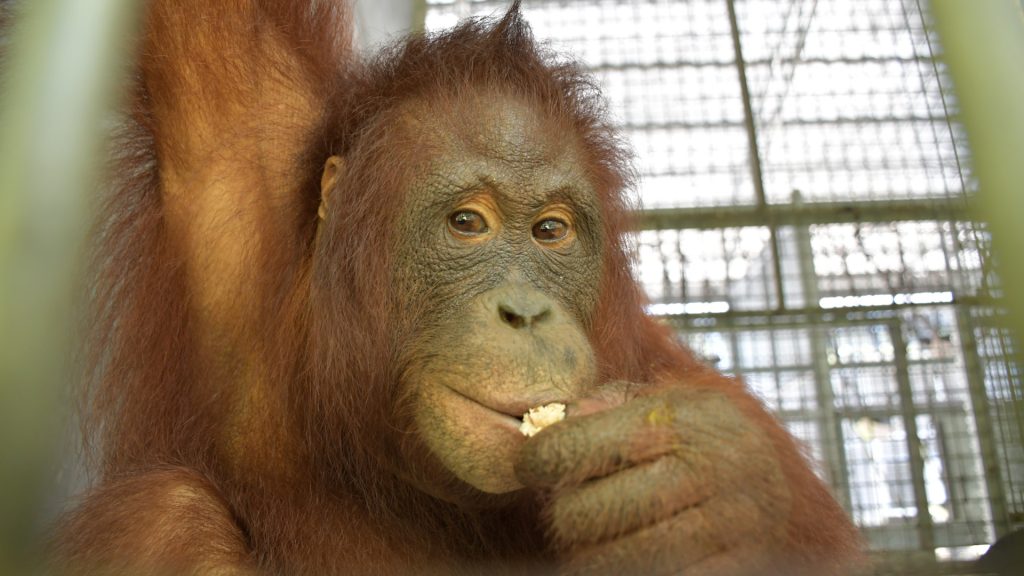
<point>488,407</point>
<point>514,409</point>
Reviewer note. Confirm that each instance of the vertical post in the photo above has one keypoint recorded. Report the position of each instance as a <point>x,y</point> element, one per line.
<point>829,426</point>
<point>755,155</point>
<point>419,16</point>
<point>983,422</point>
<point>925,528</point>
<point>61,76</point>
<point>983,45</point>
<point>734,343</point>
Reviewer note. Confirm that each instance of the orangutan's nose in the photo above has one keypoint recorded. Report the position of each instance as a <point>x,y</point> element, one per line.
<point>523,308</point>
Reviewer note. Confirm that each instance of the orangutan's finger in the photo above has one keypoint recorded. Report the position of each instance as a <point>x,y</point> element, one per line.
<point>674,546</point>
<point>626,501</point>
<point>748,559</point>
<point>606,397</point>
<point>595,445</point>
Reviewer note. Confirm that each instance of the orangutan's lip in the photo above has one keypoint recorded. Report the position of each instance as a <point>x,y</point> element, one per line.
<point>518,419</point>
<point>514,409</point>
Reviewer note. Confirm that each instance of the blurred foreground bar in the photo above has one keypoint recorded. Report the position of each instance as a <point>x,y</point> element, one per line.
<point>984,44</point>
<point>63,61</point>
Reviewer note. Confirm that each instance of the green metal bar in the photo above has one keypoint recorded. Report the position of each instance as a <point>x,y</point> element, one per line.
<point>64,61</point>
<point>984,48</point>
<point>419,16</point>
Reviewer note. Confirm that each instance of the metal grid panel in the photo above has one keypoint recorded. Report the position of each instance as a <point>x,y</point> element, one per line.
<point>830,82</point>
<point>1003,385</point>
<point>861,359</point>
<point>875,341</point>
<point>707,270</point>
<point>894,258</point>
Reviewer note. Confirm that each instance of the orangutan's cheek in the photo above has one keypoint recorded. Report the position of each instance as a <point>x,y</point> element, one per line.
<point>476,444</point>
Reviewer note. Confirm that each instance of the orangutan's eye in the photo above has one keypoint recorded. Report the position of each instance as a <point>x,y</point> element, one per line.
<point>468,223</point>
<point>550,230</point>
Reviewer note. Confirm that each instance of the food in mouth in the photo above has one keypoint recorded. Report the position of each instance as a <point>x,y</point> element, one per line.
<point>541,417</point>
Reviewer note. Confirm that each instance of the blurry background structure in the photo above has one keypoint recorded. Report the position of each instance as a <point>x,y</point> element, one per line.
<point>805,184</point>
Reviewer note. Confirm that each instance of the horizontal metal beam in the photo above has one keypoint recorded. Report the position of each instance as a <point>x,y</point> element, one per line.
<point>796,317</point>
<point>631,126</point>
<point>802,214</point>
<point>770,319</point>
<point>877,412</point>
<point>729,62</point>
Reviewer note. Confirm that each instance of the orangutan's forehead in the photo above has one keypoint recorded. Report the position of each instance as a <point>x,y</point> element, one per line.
<point>495,125</point>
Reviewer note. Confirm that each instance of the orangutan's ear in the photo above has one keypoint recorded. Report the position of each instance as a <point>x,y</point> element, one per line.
<point>334,168</point>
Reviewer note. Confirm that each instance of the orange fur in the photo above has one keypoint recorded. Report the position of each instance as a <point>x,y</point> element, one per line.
<point>239,376</point>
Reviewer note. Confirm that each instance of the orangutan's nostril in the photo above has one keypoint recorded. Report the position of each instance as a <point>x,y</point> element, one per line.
<point>511,318</point>
<point>523,316</point>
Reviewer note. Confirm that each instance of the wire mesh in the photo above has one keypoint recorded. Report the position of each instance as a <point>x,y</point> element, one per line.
<point>876,338</point>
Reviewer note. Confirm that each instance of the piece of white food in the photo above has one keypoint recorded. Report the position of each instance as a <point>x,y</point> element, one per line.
<point>541,417</point>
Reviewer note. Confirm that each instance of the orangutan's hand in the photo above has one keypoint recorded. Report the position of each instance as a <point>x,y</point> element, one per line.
<point>674,481</point>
